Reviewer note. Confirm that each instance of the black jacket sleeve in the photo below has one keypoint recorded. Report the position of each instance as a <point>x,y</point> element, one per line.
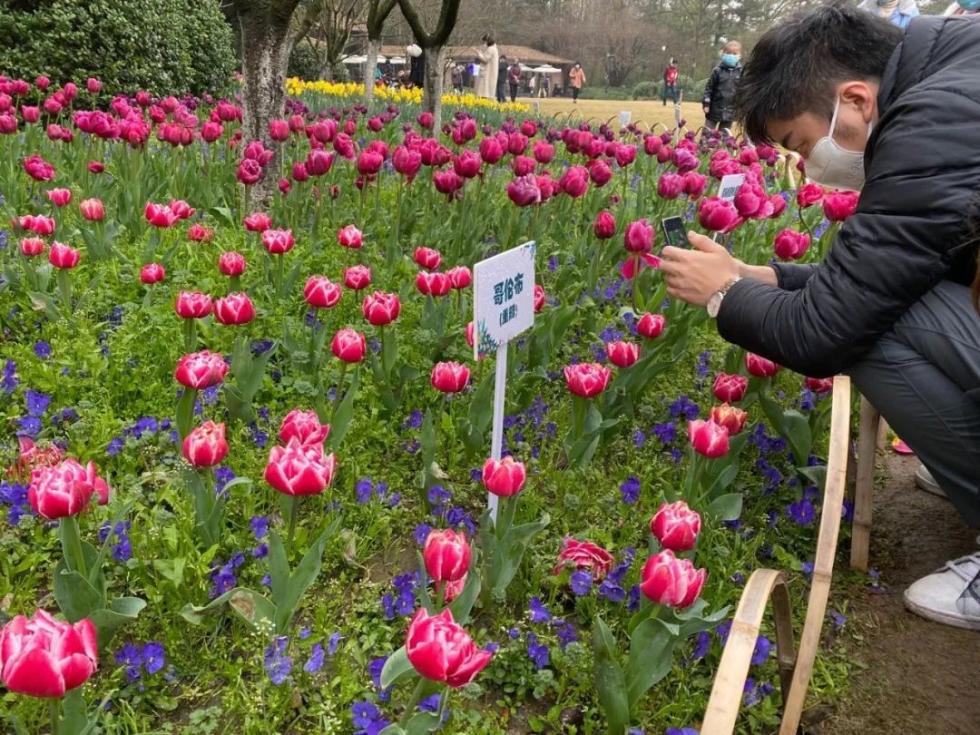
<point>911,223</point>
<point>709,88</point>
<point>793,276</point>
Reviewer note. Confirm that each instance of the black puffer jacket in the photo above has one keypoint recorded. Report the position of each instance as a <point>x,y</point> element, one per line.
<point>719,93</point>
<point>911,228</point>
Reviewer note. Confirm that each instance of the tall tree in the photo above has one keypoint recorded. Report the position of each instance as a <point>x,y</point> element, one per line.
<point>267,36</point>
<point>378,12</point>
<point>433,45</point>
<point>325,26</point>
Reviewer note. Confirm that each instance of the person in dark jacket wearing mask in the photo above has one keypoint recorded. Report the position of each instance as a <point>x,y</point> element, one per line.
<point>890,304</point>
<point>719,94</point>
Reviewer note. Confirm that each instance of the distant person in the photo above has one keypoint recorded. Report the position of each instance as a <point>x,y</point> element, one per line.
<point>576,78</point>
<point>514,79</point>
<point>502,68</point>
<point>963,7</point>
<point>544,87</point>
<point>719,95</point>
<point>486,84</point>
<point>416,74</point>
<point>897,12</point>
<point>457,78</point>
<point>670,82</point>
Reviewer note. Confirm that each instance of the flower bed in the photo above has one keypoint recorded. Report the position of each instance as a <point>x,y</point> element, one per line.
<point>253,440</point>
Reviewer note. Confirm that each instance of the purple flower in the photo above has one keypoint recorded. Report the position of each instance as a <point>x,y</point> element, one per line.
<point>537,652</point>
<point>260,526</point>
<point>580,582</point>
<point>702,644</point>
<point>630,490</point>
<point>566,634</point>
<point>539,613</point>
<point>801,512</point>
<point>315,662</point>
<point>222,476</point>
<point>366,717</point>
<point>665,432</point>
<point>9,381</point>
<point>838,619</point>
<point>42,349</point>
<point>684,407</point>
<point>430,704</point>
<point>131,657</point>
<point>154,657</point>
<point>29,426</point>
<point>639,439</point>
<point>37,402</point>
<point>763,647</point>
<point>421,533</point>
<point>363,490</point>
<point>332,642</point>
<point>277,664</point>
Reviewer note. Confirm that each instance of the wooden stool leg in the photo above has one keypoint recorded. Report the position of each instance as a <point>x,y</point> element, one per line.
<point>868,441</point>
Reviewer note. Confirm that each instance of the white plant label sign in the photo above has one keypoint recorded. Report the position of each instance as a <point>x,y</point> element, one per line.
<point>503,298</point>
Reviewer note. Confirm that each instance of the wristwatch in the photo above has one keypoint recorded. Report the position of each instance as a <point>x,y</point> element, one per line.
<point>714,302</point>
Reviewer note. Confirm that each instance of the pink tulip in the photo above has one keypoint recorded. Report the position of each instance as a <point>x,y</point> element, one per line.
<point>749,199</point>
<point>839,205</point>
<point>193,305</point>
<point>407,161</point>
<point>205,445</point>
<point>300,469</point>
<point>92,209</point>
<point>467,164</point>
<point>442,651</point>
<point>278,130</point>
<point>357,277</point>
<point>759,366</point>
<point>258,222</point>
<point>350,237</point>
<point>819,385</point>
<point>540,298</point>
<point>584,555</point>
<point>425,120</point>
<point>587,379</point>
<point>670,581</point>
<point>200,370</point>
<point>695,184</point>
<point>321,293</point>
<point>543,151</point>
<point>718,214</point>
<point>460,277</point>
<point>38,169</point>
<point>730,417</point>
<point>152,273</point>
<point>469,333</point>
<point>428,258</point>
<point>65,489</point>
<point>278,242</point>
<point>447,182</point>
<point>446,555</point>
<point>43,657</point>
<point>63,256</point>
<point>600,173</point>
<point>708,438</point>
<point>159,215</point>
<point>449,377</point>
<point>790,244</point>
<point>491,151</point>
<point>59,197</point>
<point>524,191</point>
<point>349,345</point>
<point>96,167</point>
<point>181,209</point>
<point>651,326</point>
<point>199,233</point>
<point>730,388</point>
<point>231,263</point>
<point>676,526</point>
<point>575,181</point>
<point>369,162</point>
<point>604,225</point>
<point>433,284</point>
<point>670,186</point>
<point>622,354</point>
<point>235,308</point>
<point>304,426</point>
<point>32,246</point>
<point>808,195</point>
<point>504,477</point>
<point>38,224</point>
<point>381,308</point>
<point>639,236</point>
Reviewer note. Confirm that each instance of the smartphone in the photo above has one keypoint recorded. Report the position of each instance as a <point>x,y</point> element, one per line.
<point>675,232</point>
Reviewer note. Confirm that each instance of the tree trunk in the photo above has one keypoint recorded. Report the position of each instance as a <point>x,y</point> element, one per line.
<point>373,49</point>
<point>435,62</point>
<point>266,44</point>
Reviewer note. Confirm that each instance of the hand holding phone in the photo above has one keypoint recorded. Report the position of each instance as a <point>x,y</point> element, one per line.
<point>675,233</point>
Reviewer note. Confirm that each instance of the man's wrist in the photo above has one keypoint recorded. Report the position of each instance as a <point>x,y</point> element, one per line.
<point>764,273</point>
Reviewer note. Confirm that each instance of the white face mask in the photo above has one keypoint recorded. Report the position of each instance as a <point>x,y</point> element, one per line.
<point>834,166</point>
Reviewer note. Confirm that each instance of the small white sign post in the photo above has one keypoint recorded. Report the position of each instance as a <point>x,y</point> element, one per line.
<point>730,184</point>
<point>503,307</point>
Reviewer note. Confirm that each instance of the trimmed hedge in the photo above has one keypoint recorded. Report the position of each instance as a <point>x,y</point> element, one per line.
<point>164,46</point>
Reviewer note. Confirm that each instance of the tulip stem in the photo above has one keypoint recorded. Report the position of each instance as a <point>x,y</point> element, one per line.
<point>293,514</point>
<point>54,708</point>
<point>339,394</point>
<point>190,335</point>
<point>71,545</point>
<point>414,700</point>
<point>64,287</point>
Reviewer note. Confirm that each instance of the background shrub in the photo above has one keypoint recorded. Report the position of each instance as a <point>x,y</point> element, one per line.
<point>164,46</point>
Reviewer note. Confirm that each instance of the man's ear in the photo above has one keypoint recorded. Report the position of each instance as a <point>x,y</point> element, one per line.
<point>861,94</point>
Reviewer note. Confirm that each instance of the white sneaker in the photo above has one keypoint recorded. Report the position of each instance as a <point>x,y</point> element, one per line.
<point>950,596</point>
<point>925,481</point>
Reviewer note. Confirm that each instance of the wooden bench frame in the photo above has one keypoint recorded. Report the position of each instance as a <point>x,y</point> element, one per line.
<point>769,585</point>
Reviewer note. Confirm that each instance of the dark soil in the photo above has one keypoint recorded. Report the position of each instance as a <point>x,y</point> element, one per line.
<point>919,677</point>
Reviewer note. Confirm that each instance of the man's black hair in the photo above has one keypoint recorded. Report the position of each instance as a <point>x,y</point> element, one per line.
<point>795,66</point>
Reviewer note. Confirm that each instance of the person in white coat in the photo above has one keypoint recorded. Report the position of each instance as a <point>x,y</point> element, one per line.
<point>490,58</point>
